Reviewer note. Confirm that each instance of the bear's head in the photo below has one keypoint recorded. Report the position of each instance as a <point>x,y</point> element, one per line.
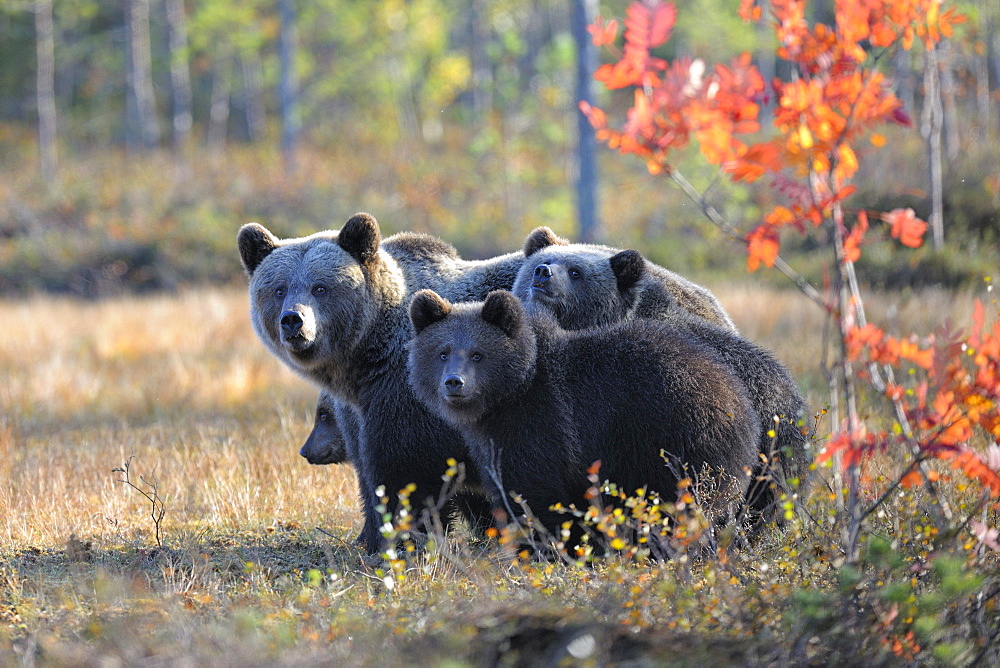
<point>582,285</point>
<point>313,298</point>
<point>325,444</point>
<point>467,359</point>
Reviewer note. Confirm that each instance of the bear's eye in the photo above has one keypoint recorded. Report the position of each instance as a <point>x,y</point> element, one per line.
<point>444,357</point>
<point>319,290</point>
<point>322,416</point>
<point>280,292</point>
<point>477,357</point>
<point>574,273</point>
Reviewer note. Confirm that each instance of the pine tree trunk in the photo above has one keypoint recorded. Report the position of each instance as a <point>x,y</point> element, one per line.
<point>180,76</point>
<point>45,88</point>
<point>583,14</point>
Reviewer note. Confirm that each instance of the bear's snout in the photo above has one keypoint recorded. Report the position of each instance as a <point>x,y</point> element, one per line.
<point>291,324</point>
<point>298,328</point>
<point>543,273</point>
<point>545,281</point>
<point>454,385</point>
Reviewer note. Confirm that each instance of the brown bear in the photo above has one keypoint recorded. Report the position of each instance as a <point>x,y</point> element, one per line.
<point>333,439</point>
<point>333,307</point>
<point>582,287</point>
<point>538,405</point>
<point>553,266</point>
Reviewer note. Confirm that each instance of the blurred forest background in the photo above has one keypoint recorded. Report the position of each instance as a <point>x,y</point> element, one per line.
<point>137,135</point>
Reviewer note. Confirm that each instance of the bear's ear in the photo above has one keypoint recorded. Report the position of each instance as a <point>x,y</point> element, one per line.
<point>502,309</point>
<point>426,308</point>
<point>360,237</point>
<point>255,243</point>
<point>541,237</point>
<point>629,266</point>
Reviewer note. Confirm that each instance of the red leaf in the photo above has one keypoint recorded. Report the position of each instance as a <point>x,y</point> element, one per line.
<point>859,338</point>
<point>603,34</point>
<point>649,24</point>
<point>762,246</point>
<point>852,447</point>
<point>755,162</point>
<point>750,10</point>
<point>909,350</point>
<point>662,24</point>
<point>780,216</point>
<point>911,479</point>
<point>852,244</point>
<point>906,227</point>
<point>972,465</point>
<point>595,115</point>
<point>900,117</point>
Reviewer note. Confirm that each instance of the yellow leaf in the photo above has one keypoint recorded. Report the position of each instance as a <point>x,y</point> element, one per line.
<point>805,137</point>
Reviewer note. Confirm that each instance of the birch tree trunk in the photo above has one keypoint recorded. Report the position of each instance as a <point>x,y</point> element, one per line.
<point>982,57</point>
<point>946,69</point>
<point>146,132</point>
<point>45,88</point>
<point>218,115</point>
<point>931,129</point>
<point>288,84</point>
<point>180,74</point>
<point>253,86</point>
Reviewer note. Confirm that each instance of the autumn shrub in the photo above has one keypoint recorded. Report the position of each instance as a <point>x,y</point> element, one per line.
<point>934,402</point>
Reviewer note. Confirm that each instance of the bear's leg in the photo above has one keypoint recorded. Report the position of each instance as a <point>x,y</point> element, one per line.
<point>477,512</point>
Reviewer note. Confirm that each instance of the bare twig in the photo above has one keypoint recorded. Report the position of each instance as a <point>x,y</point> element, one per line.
<point>720,221</point>
<point>157,509</point>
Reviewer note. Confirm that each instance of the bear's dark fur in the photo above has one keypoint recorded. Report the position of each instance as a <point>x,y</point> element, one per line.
<point>608,293</point>
<point>538,404</point>
<point>333,307</point>
<point>552,266</point>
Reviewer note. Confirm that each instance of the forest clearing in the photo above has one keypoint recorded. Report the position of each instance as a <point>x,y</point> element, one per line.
<point>827,170</point>
<point>256,564</point>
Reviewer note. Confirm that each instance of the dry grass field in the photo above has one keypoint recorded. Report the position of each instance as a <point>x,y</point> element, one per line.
<point>256,565</point>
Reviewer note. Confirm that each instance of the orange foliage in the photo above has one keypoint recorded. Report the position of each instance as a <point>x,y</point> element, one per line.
<point>835,97</point>
<point>959,396</point>
<point>603,34</point>
<point>906,227</point>
<point>852,244</point>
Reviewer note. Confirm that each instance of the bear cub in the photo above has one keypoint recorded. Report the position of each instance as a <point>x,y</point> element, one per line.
<point>554,268</point>
<point>333,439</point>
<point>537,405</point>
<point>582,289</point>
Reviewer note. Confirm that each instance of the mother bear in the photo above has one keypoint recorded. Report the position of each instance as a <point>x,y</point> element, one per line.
<point>333,307</point>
